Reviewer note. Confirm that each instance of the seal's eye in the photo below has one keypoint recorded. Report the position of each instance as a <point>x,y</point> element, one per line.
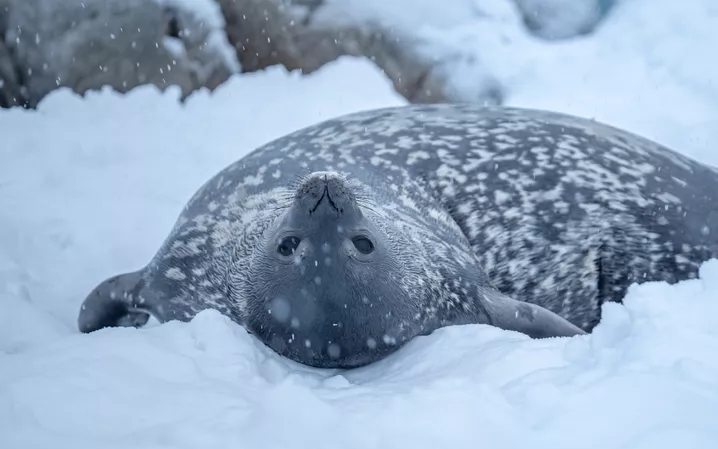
<point>363,244</point>
<point>288,245</point>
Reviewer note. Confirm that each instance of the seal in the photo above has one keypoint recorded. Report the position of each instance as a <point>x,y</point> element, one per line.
<point>338,243</point>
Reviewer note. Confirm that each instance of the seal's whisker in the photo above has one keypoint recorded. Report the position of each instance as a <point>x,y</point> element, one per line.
<point>282,207</point>
<point>297,179</point>
<point>367,206</point>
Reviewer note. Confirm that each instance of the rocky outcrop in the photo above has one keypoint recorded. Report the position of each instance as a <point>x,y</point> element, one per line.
<point>286,32</point>
<point>88,44</point>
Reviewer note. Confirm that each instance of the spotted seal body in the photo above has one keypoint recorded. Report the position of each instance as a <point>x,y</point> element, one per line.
<point>338,243</point>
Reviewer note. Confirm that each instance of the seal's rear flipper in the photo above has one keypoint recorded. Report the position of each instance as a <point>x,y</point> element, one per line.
<point>113,304</point>
<point>535,321</point>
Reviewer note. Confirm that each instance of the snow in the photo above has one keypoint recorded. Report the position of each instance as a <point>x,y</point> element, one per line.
<point>90,187</point>
<point>644,61</point>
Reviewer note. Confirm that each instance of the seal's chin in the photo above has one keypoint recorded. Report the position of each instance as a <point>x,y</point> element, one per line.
<point>328,332</point>
<point>319,351</point>
<point>325,193</point>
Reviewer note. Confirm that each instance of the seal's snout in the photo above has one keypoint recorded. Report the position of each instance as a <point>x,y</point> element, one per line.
<point>325,200</point>
<point>325,193</point>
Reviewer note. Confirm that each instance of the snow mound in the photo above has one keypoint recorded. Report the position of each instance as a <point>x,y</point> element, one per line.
<point>646,378</point>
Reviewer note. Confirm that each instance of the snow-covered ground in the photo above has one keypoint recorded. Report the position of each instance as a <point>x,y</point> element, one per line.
<point>90,187</point>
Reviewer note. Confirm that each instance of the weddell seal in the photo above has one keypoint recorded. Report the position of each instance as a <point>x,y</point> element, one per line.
<point>340,242</point>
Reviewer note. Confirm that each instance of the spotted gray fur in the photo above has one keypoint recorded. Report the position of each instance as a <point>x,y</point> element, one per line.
<point>478,204</point>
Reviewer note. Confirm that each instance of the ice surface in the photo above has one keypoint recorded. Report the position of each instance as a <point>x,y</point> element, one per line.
<point>89,188</point>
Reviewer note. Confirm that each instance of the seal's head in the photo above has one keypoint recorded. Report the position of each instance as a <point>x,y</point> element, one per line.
<point>328,279</point>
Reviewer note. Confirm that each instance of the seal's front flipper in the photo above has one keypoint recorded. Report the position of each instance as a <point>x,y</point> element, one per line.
<point>535,321</point>
<point>112,304</point>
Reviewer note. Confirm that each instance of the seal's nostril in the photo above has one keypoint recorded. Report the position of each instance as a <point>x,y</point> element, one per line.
<point>325,195</point>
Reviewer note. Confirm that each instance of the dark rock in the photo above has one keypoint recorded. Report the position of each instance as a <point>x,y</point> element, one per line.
<point>88,44</point>
<point>10,88</point>
<point>270,32</point>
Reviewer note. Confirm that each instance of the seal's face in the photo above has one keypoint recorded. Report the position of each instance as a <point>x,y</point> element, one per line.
<point>326,283</point>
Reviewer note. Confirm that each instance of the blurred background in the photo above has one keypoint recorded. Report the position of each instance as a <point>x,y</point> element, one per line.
<point>647,65</point>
